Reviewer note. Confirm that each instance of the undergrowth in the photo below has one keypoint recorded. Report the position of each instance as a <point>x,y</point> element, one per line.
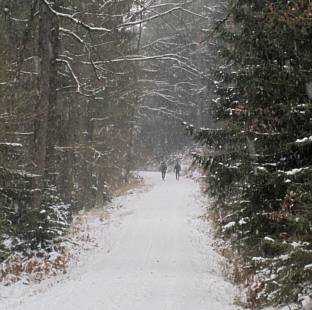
<point>282,279</point>
<point>29,269</point>
<point>35,266</point>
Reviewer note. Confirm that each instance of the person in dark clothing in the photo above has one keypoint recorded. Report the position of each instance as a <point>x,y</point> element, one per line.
<point>163,169</point>
<point>177,169</point>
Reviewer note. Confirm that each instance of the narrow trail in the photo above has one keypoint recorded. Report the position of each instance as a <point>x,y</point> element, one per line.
<point>158,258</point>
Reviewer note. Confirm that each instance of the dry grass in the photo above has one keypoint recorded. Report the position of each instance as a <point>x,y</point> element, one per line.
<point>126,213</point>
<point>32,269</point>
<point>136,183</point>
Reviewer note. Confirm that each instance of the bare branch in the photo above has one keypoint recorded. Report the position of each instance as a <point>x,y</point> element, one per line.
<point>71,33</point>
<point>75,20</point>
<point>179,8</point>
<point>72,73</point>
<point>221,22</point>
<point>134,23</point>
<point>166,57</point>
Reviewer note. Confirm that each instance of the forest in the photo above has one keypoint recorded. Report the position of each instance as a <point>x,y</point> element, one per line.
<point>93,90</point>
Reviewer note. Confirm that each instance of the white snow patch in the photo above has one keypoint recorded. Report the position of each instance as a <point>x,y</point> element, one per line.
<point>304,139</point>
<point>294,171</point>
<point>268,239</point>
<point>309,89</point>
<point>229,225</point>
<point>154,253</point>
<point>296,244</point>
<point>306,302</point>
<point>242,222</point>
<point>258,259</point>
<point>261,168</point>
<point>11,144</point>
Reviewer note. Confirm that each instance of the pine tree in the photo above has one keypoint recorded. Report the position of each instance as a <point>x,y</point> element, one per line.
<point>258,163</point>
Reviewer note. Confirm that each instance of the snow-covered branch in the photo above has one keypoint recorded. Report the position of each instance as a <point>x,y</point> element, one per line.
<point>71,33</point>
<point>75,20</point>
<point>88,27</point>
<point>166,57</point>
<point>158,15</point>
<point>162,110</point>
<point>72,73</point>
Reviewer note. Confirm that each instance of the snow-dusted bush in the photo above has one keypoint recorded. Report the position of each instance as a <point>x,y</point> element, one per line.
<point>286,276</point>
<point>26,229</point>
<point>18,267</point>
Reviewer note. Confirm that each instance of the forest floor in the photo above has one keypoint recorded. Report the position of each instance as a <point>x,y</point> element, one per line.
<point>149,249</point>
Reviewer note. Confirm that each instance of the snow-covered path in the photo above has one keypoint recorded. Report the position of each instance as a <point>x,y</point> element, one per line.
<point>154,256</point>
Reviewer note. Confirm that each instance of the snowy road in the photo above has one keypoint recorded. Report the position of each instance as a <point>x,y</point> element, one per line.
<point>154,256</point>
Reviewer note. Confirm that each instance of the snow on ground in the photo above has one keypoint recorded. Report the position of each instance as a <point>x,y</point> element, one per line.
<point>153,253</point>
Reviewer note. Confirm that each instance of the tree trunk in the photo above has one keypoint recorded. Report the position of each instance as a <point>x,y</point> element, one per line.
<point>129,150</point>
<point>54,118</point>
<point>68,163</point>
<point>199,87</point>
<point>47,54</point>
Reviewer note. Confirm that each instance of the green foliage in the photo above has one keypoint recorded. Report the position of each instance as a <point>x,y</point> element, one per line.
<point>258,163</point>
<point>52,222</point>
<point>26,229</point>
<point>286,276</point>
